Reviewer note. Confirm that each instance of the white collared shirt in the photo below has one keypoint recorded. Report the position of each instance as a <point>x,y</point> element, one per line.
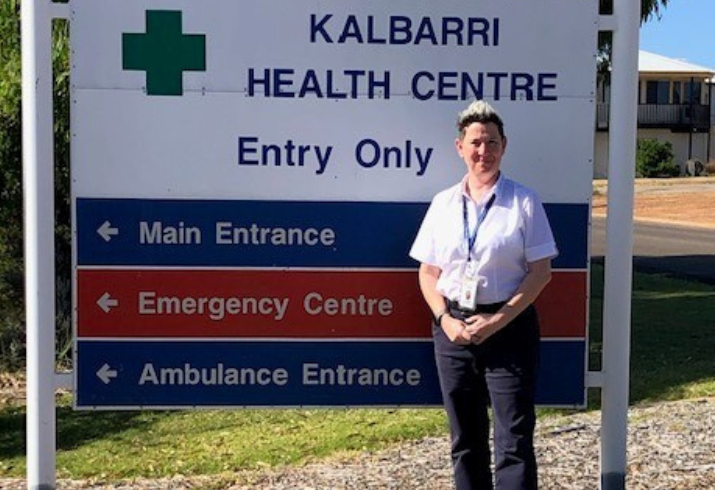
<point>514,232</point>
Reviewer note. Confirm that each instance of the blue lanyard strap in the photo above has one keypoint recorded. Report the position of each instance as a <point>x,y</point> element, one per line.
<point>471,239</point>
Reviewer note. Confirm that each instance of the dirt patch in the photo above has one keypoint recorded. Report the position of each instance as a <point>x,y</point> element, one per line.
<point>688,201</point>
<point>12,389</point>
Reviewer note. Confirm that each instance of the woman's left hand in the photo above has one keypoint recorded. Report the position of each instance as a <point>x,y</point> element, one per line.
<point>481,327</point>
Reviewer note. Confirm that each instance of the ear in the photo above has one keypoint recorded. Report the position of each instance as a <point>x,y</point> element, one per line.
<point>503,144</point>
<point>458,145</point>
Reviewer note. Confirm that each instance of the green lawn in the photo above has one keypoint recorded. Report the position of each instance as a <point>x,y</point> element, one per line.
<point>672,358</point>
<point>153,444</point>
<point>672,343</point>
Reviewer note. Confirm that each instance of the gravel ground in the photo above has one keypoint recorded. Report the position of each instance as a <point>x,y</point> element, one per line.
<point>671,446</point>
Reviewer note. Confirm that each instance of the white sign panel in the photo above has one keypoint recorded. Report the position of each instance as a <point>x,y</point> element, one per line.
<point>345,99</point>
<point>248,176</point>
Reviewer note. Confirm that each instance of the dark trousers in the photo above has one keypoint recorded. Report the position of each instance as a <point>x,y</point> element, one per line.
<point>502,371</point>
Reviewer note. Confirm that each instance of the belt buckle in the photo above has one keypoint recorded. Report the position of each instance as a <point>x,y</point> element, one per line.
<point>455,305</point>
<point>471,312</point>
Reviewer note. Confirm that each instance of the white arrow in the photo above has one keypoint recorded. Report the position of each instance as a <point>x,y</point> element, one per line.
<point>106,373</point>
<point>106,302</point>
<point>106,231</point>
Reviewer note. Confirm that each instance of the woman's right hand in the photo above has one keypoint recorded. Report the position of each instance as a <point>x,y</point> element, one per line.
<point>456,330</point>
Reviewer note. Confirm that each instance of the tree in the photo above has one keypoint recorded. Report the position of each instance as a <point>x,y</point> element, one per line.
<point>649,8</point>
<point>11,291</point>
<point>655,159</point>
<point>12,329</point>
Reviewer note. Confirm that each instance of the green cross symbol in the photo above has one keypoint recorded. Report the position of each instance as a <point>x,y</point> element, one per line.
<point>164,53</point>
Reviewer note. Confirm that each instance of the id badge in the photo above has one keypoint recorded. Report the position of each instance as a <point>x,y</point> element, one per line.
<point>468,292</point>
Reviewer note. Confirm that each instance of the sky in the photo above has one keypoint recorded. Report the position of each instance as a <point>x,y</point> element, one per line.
<point>686,30</point>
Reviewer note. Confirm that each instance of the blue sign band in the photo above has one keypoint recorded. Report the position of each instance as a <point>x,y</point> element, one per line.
<point>148,232</point>
<point>183,374</point>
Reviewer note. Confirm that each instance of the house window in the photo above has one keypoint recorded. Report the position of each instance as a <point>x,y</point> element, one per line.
<point>692,93</point>
<point>657,92</point>
<point>677,92</point>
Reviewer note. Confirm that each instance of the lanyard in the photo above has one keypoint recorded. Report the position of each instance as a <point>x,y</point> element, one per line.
<point>471,239</point>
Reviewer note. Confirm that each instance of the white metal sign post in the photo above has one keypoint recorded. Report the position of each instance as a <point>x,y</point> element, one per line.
<point>38,175</point>
<point>236,167</point>
<point>619,246</point>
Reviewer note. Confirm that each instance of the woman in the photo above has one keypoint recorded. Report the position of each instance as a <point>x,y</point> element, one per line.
<point>485,248</point>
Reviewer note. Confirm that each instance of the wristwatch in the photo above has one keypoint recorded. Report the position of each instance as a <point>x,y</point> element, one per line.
<point>440,314</point>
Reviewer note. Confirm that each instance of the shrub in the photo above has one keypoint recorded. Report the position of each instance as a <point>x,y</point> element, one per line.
<point>12,321</point>
<point>12,330</point>
<point>655,159</point>
<point>710,167</point>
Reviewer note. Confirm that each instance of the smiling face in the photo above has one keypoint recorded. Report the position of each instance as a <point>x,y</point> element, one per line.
<point>481,147</point>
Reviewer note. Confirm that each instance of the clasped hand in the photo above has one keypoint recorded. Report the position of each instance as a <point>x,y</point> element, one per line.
<point>473,330</point>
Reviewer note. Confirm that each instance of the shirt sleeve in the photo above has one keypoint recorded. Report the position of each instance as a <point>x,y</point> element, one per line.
<point>539,240</point>
<point>423,248</point>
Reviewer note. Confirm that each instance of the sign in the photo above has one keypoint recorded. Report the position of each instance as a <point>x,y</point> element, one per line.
<point>248,178</point>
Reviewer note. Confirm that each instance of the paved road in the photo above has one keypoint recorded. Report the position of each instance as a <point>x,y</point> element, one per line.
<point>673,249</point>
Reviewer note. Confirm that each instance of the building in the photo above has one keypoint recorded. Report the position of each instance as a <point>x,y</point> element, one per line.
<point>674,104</point>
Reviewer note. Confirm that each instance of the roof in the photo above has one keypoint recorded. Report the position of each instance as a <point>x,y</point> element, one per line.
<point>655,63</point>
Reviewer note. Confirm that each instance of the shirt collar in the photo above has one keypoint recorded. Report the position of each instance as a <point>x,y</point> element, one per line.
<point>496,188</point>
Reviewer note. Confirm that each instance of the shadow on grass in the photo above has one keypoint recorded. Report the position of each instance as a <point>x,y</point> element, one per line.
<point>687,267</point>
<point>672,343</point>
<point>74,428</point>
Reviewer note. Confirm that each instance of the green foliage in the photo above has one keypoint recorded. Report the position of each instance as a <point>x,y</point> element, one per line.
<point>649,8</point>
<point>63,213</point>
<point>12,331</point>
<point>655,159</point>
<point>11,318</point>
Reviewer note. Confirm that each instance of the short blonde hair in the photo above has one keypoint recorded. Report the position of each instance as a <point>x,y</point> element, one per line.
<point>481,112</point>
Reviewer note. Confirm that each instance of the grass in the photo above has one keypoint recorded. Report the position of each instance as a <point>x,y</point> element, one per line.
<point>672,344</point>
<point>154,444</point>
<point>672,358</point>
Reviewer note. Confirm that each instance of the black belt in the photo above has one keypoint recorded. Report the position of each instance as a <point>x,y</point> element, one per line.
<point>481,308</point>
